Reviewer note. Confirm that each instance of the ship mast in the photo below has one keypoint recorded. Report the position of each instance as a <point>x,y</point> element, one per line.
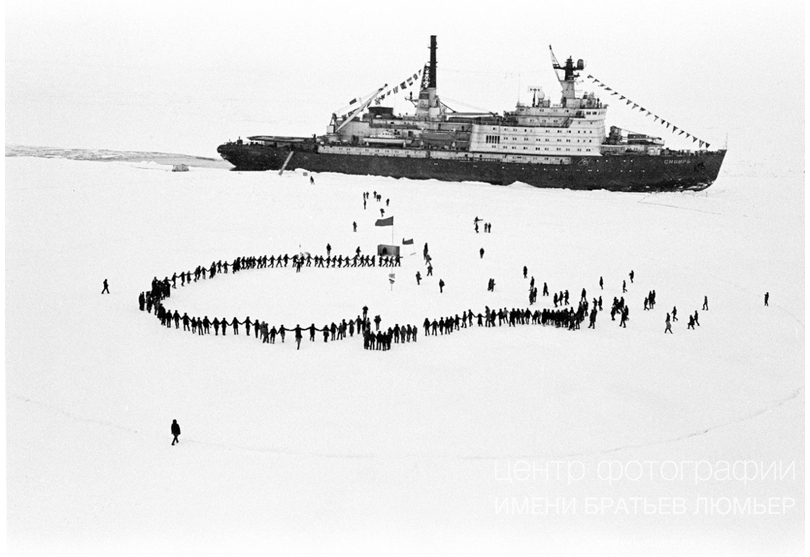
<point>569,79</point>
<point>429,107</point>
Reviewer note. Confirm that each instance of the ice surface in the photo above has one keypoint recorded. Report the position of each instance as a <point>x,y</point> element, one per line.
<point>407,451</point>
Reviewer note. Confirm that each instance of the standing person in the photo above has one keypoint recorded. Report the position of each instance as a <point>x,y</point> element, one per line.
<point>175,431</point>
<point>525,271</point>
<point>430,270</point>
<point>354,226</point>
<point>674,313</point>
<point>418,278</point>
<point>696,319</point>
<point>705,303</point>
<point>545,289</point>
<point>311,180</point>
<point>142,300</point>
<point>328,250</point>
<point>624,286</point>
<point>601,284</point>
<point>669,327</point>
<point>298,336</point>
<point>441,286</point>
<point>766,299</point>
<point>632,274</point>
<point>481,252</point>
<point>106,288</point>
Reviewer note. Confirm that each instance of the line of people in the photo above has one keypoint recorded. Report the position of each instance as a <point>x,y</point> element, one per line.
<point>564,317</point>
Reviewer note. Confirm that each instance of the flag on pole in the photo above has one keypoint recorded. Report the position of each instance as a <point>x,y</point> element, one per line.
<point>391,278</point>
<point>385,222</point>
<point>407,242</point>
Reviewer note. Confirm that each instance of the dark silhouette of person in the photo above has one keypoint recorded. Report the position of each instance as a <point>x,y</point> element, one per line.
<point>705,303</point>
<point>601,284</point>
<point>419,279</point>
<point>766,298</point>
<point>328,250</point>
<point>298,336</point>
<point>175,431</point>
<point>632,274</point>
<point>354,226</point>
<point>525,271</point>
<point>142,300</point>
<point>481,251</point>
<point>441,286</point>
<point>106,288</point>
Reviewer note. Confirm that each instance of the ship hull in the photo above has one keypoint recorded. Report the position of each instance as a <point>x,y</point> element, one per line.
<point>673,172</point>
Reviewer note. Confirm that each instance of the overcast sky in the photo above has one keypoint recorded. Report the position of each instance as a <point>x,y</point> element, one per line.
<point>188,76</point>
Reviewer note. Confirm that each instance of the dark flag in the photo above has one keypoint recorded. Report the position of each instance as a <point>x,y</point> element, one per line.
<point>407,242</point>
<point>385,222</point>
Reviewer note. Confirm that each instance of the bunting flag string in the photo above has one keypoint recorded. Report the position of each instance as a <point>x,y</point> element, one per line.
<point>409,81</point>
<point>646,112</point>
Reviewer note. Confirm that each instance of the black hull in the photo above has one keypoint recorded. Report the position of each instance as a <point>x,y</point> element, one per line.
<point>647,173</point>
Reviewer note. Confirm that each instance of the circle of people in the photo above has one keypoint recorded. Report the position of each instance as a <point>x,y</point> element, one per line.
<point>562,315</point>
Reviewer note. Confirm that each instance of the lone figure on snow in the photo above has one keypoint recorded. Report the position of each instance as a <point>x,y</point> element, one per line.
<point>107,289</point>
<point>766,298</point>
<point>175,431</point>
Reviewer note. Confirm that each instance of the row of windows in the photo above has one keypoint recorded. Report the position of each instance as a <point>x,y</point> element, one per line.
<point>536,139</point>
<point>588,150</point>
<point>558,131</point>
<point>526,130</point>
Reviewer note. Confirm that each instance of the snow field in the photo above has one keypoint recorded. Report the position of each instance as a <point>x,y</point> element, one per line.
<point>336,447</point>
